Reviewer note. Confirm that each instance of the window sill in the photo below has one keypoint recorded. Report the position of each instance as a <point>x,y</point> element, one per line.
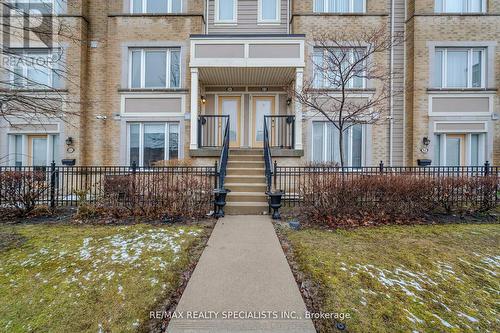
<point>360,90</point>
<point>153,14</point>
<point>461,90</point>
<point>219,23</point>
<point>268,22</point>
<point>152,90</point>
<point>44,90</point>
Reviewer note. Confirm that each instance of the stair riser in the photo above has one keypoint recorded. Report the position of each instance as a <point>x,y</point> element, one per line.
<point>245,172</point>
<point>246,152</point>
<point>246,164</point>
<point>247,198</point>
<point>235,210</point>
<point>245,158</point>
<point>243,188</point>
<point>245,180</point>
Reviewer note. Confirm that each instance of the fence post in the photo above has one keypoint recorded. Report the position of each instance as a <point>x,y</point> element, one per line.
<point>275,174</point>
<point>216,175</point>
<point>486,168</point>
<point>381,167</point>
<point>52,185</point>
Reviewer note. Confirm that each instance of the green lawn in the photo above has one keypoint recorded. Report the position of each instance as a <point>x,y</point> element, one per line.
<point>89,278</point>
<point>428,278</point>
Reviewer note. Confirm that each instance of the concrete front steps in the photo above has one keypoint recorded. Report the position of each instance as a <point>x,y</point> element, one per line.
<point>247,182</point>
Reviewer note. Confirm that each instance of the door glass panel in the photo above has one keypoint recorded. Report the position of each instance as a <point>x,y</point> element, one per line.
<point>39,147</point>
<point>263,108</point>
<point>230,108</point>
<point>19,150</point>
<point>474,150</point>
<point>154,143</point>
<point>453,147</point>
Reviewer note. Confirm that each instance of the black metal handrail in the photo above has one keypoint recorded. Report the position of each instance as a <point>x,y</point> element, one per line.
<point>268,159</point>
<point>224,155</point>
<point>211,130</point>
<point>281,131</point>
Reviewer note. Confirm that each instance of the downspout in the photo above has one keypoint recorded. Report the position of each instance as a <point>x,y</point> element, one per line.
<point>206,17</point>
<point>391,120</point>
<point>289,3</point>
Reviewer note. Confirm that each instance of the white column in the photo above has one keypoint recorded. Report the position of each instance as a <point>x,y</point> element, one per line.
<point>299,82</point>
<point>194,108</point>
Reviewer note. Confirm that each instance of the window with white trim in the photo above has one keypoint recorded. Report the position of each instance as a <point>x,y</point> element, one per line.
<point>154,68</point>
<point>151,142</point>
<point>226,11</point>
<point>455,149</point>
<point>460,68</point>
<point>269,11</point>
<point>460,6</point>
<point>327,72</point>
<point>36,69</point>
<point>340,6</point>
<point>155,6</point>
<point>325,144</point>
<point>33,149</point>
<point>37,7</point>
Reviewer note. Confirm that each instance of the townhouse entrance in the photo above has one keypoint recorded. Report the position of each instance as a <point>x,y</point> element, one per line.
<point>262,106</point>
<point>231,106</point>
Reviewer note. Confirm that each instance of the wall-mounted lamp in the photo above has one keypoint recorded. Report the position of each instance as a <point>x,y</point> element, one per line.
<point>288,101</point>
<point>203,99</point>
<point>229,89</point>
<point>426,141</point>
<point>69,141</point>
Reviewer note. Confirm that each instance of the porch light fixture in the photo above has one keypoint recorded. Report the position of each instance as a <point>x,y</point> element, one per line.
<point>229,89</point>
<point>69,141</point>
<point>426,141</point>
<point>203,99</point>
<point>264,89</point>
<point>288,101</point>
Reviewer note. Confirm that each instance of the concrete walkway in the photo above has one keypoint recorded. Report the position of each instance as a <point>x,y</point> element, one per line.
<point>242,269</point>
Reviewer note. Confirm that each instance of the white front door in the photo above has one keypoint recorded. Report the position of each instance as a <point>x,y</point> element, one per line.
<point>263,106</point>
<point>230,106</point>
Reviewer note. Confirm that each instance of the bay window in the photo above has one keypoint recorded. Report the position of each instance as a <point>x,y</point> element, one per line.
<point>155,6</point>
<point>226,11</point>
<point>459,149</point>
<point>339,6</point>
<point>154,68</point>
<point>460,68</point>
<point>325,144</point>
<point>269,11</point>
<point>327,64</point>
<point>149,143</point>
<point>36,69</point>
<point>460,6</point>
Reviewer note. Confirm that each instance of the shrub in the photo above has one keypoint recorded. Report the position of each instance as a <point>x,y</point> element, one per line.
<point>22,191</point>
<point>350,199</point>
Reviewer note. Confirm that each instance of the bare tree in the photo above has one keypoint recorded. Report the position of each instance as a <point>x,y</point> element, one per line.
<point>35,78</point>
<point>351,81</point>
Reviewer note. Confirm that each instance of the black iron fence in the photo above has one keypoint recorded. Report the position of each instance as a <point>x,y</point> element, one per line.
<point>212,130</point>
<point>281,131</point>
<point>294,181</point>
<point>56,186</point>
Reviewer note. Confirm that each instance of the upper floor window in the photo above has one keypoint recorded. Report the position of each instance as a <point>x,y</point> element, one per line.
<point>460,6</point>
<point>269,11</point>
<point>332,67</point>
<point>156,6</point>
<point>460,68</point>
<point>340,6</point>
<point>41,6</point>
<point>154,68</point>
<point>36,69</point>
<point>226,11</point>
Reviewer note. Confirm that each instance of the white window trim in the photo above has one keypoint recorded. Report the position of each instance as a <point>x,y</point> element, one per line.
<point>143,67</point>
<point>348,136</point>
<point>278,13</point>
<point>470,53</point>
<point>443,9</point>
<point>482,143</point>
<point>235,13</point>
<point>166,132</point>
<point>25,54</point>
<point>350,83</point>
<point>144,7</point>
<point>326,7</point>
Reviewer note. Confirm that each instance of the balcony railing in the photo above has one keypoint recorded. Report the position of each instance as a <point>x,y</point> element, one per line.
<point>281,131</point>
<point>211,130</point>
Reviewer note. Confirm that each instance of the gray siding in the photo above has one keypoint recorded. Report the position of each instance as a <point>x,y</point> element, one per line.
<point>398,102</point>
<point>247,20</point>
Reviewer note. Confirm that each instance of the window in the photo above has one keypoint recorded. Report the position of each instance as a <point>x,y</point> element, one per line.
<point>226,11</point>
<point>460,68</point>
<point>155,6</point>
<point>149,143</point>
<point>459,149</point>
<point>328,76</point>
<point>34,149</point>
<point>38,7</point>
<point>36,69</point>
<point>269,11</point>
<point>326,144</point>
<point>460,6</point>
<point>339,6</point>
<point>154,68</point>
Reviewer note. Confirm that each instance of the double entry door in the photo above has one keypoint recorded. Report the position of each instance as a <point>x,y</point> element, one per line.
<point>254,124</point>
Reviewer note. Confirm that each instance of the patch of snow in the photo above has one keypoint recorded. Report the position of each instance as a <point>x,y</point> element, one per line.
<point>85,250</point>
<point>413,318</point>
<point>470,318</point>
<point>443,322</point>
